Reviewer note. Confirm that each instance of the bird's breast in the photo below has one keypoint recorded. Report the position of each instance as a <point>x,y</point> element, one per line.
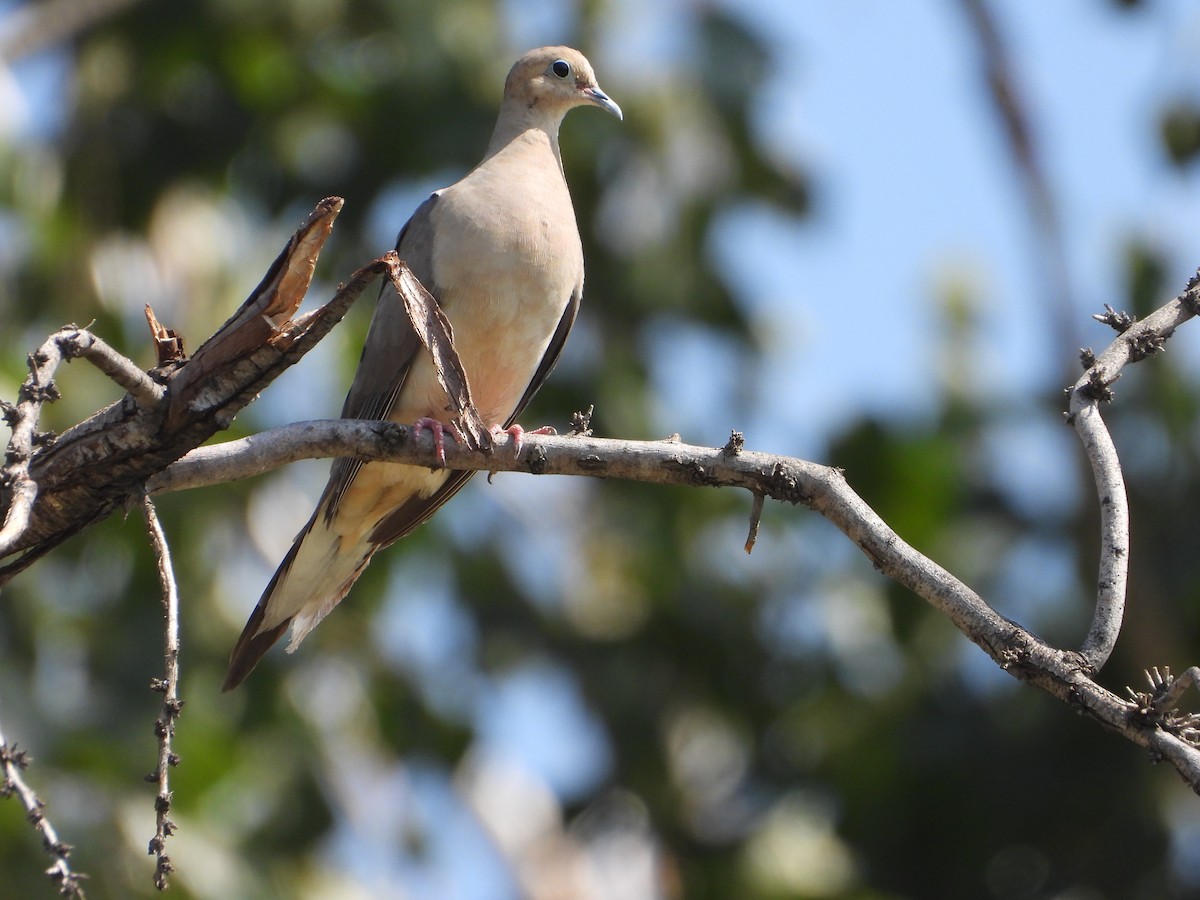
<point>504,272</point>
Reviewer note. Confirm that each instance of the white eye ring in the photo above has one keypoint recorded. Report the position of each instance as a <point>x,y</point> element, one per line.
<point>561,68</point>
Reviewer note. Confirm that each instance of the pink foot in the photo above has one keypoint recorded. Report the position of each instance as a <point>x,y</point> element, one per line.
<point>517,433</point>
<point>439,429</point>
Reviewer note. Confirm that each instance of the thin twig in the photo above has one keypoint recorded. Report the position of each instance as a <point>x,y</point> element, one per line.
<point>756,511</point>
<point>1169,690</point>
<point>164,727</point>
<point>23,491</point>
<point>13,761</point>
<point>1113,578</point>
<point>1136,342</point>
<point>1064,674</point>
<point>37,390</point>
<point>145,390</point>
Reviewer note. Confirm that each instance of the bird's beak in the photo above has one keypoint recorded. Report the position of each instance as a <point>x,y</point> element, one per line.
<point>598,98</point>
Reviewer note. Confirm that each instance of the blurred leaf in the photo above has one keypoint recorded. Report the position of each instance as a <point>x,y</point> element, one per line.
<point>1179,127</point>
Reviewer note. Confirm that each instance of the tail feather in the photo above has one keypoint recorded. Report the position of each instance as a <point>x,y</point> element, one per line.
<point>316,574</point>
<point>252,646</point>
<point>324,561</point>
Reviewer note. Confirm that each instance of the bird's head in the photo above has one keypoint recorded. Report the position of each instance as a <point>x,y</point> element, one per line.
<point>556,79</point>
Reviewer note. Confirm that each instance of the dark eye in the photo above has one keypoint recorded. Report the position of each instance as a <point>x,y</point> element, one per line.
<point>561,68</point>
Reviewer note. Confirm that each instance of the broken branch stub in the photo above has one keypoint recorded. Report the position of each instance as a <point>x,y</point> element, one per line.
<point>98,465</point>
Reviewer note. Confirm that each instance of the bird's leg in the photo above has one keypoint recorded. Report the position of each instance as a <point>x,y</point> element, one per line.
<point>516,432</point>
<point>438,429</point>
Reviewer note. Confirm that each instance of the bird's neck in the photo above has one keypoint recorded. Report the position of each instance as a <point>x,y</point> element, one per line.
<point>525,126</point>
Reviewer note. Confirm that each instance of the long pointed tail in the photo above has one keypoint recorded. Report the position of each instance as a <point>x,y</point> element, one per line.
<point>316,574</point>
<point>251,646</point>
<point>323,563</point>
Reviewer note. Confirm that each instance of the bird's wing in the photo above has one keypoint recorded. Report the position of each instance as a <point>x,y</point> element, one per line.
<point>389,349</point>
<point>550,358</point>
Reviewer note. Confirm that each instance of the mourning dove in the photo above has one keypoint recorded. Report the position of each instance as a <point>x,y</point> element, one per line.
<point>500,252</point>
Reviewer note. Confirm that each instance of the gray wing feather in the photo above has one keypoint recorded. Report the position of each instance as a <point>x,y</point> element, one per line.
<point>389,349</point>
<point>550,357</point>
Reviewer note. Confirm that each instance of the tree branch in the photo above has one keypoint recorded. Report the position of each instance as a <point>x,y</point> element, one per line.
<point>53,488</point>
<point>1063,674</point>
<point>1137,341</point>
<point>22,418</point>
<point>164,727</point>
<point>102,463</point>
<point>12,762</point>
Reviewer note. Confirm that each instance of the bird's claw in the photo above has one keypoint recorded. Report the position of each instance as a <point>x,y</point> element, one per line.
<point>517,433</point>
<point>438,429</point>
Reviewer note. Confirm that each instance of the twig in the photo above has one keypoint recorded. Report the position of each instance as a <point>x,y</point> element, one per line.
<point>145,391</point>
<point>164,727</point>
<point>1064,674</point>
<point>735,445</point>
<point>756,511</point>
<point>37,390</point>
<point>22,493</point>
<point>13,761</point>
<point>1113,577</point>
<point>1136,342</point>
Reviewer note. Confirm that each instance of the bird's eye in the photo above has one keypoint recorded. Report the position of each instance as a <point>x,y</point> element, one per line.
<point>561,68</point>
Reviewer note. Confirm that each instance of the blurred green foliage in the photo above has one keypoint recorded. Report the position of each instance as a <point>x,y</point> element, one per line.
<point>784,726</point>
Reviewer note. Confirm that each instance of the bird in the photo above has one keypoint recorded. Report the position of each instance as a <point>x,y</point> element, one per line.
<point>500,252</point>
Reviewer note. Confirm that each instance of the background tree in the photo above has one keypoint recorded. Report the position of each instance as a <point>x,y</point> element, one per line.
<point>563,686</point>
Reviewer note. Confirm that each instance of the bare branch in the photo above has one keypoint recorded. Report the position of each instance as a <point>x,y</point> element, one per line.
<point>1136,342</point>
<point>53,491</point>
<point>756,510</point>
<point>13,761</point>
<point>22,494</point>
<point>262,338</point>
<point>145,391</point>
<point>1114,535</point>
<point>1064,674</point>
<point>164,727</point>
<point>37,390</point>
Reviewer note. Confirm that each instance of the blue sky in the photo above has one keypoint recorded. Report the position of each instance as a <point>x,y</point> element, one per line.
<point>883,104</point>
